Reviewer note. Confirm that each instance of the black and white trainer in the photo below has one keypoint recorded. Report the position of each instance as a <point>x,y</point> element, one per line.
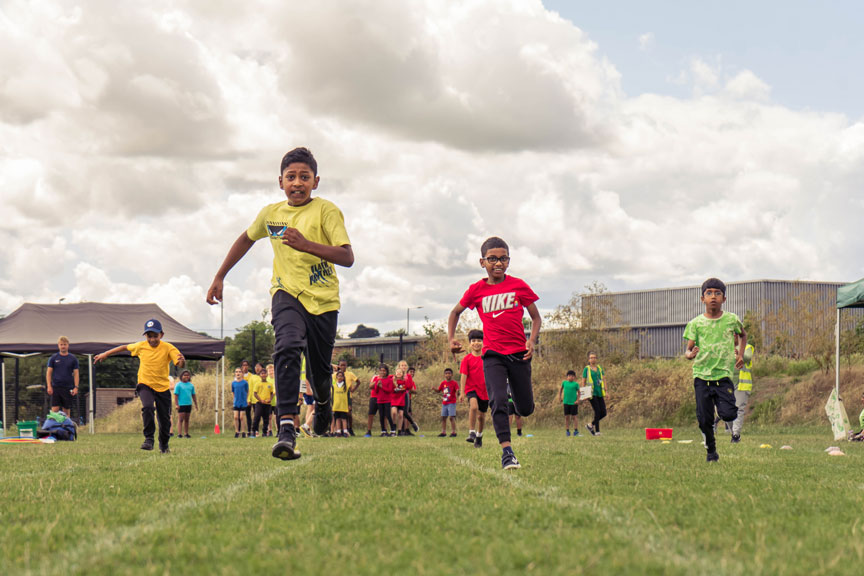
<point>509,461</point>
<point>286,447</point>
<point>471,437</point>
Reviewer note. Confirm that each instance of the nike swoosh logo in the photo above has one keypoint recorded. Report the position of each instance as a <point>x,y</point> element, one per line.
<point>497,314</point>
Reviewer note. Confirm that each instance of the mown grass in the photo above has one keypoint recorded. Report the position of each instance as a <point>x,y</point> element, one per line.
<point>614,504</point>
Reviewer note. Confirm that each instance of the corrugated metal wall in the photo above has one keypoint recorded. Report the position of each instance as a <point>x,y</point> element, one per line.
<point>658,317</point>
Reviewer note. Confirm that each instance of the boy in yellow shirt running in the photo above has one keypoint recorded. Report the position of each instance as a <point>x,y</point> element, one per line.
<point>308,237</point>
<point>155,355</point>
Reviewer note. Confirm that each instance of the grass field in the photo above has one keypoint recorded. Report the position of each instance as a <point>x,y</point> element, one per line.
<point>614,504</point>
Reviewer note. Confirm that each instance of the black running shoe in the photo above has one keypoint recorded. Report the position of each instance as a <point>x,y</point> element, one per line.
<point>323,418</point>
<point>415,427</point>
<point>285,447</point>
<point>736,438</point>
<point>478,441</point>
<point>148,444</point>
<point>164,450</point>
<point>471,437</point>
<point>509,461</point>
<point>350,431</point>
<point>453,435</point>
<point>442,435</point>
<point>590,429</point>
<point>712,457</point>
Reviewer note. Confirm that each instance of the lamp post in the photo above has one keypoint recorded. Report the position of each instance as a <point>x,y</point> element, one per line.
<point>408,318</point>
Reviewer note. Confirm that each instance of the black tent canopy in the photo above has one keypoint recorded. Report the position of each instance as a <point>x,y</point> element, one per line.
<point>94,327</point>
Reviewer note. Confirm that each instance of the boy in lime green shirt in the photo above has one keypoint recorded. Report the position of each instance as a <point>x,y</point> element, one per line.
<point>711,342</point>
<point>308,238</point>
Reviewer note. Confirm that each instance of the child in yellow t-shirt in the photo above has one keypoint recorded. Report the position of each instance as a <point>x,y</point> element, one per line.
<point>153,390</point>
<point>263,394</point>
<point>340,404</point>
<point>309,239</point>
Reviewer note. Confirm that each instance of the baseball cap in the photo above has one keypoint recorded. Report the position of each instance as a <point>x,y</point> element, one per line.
<point>152,325</point>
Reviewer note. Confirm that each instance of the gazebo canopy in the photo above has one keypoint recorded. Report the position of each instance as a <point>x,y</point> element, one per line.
<point>94,327</point>
<point>851,295</point>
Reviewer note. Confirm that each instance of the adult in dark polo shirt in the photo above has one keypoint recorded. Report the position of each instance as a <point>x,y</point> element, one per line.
<point>62,377</point>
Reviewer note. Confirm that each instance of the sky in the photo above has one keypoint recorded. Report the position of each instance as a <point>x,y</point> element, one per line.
<point>639,145</point>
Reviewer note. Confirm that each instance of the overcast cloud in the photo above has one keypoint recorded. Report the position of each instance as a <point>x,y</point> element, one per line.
<point>137,143</point>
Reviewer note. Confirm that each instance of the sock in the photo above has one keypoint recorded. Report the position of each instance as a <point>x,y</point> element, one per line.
<point>479,434</point>
<point>472,432</point>
<point>285,421</point>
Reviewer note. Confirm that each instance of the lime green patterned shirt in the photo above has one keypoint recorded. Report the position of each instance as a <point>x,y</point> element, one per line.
<point>716,342</point>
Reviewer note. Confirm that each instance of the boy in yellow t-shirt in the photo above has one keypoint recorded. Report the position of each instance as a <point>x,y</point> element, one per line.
<point>308,237</point>
<point>154,355</point>
<point>263,393</point>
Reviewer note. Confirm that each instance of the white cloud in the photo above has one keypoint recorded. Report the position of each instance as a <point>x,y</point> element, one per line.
<point>435,124</point>
<point>646,41</point>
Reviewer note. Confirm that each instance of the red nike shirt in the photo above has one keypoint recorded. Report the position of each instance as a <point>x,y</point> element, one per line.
<point>501,307</point>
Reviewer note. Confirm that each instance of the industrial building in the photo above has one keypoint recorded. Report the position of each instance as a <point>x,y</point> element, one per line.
<point>657,318</point>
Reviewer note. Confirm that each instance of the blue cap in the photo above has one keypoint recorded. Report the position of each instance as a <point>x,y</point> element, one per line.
<point>152,325</point>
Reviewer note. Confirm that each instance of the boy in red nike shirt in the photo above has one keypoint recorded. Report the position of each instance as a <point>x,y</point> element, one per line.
<point>499,300</point>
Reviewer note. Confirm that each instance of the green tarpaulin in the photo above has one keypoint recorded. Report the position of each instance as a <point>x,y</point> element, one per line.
<point>851,295</point>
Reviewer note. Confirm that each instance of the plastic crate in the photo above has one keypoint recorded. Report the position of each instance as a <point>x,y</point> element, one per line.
<point>27,429</point>
<point>658,433</point>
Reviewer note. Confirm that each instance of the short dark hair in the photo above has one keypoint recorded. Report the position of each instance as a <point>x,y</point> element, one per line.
<point>303,155</point>
<point>714,283</point>
<point>571,372</point>
<point>448,370</point>
<point>385,367</point>
<point>493,242</point>
<point>475,335</point>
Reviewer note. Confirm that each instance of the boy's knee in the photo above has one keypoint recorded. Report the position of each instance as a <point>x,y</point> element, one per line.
<point>523,412</point>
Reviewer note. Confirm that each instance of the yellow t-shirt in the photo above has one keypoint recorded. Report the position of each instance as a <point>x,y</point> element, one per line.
<point>308,278</point>
<point>272,382</point>
<point>154,363</point>
<point>340,397</point>
<point>350,379</point>
<point>264,389</point>
<point>254,380</point>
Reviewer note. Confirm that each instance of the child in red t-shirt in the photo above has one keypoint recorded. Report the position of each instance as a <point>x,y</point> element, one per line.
<point>383,386</point>
<point>397,398</point>
<point>472,382</point>
<point>449,391</point>
<point>499,300</point>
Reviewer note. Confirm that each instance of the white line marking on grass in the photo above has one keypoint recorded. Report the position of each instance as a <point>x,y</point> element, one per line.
<point>625,526</point>
<point>113,539</point>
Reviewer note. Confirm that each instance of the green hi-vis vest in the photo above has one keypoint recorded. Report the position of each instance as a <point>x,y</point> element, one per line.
<point>745,375</point>
<point>602,379</point>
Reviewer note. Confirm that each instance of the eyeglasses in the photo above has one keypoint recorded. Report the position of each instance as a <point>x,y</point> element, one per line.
<point>495,259</point>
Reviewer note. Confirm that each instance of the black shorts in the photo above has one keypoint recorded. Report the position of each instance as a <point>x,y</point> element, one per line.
<point>482,405</point>
<point>511,409</point>
<point>62,397</point>
<point>373,406</point>
<point>399,408</point>
<point>184,409</point>
<point>340,415</point>
<point>571,409</point>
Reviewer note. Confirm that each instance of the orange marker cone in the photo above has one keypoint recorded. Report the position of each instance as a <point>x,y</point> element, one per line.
<point>216,429</point>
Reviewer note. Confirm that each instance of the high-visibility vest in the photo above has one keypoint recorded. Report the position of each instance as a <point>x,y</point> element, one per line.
<point>602,380</point>
<point>745,375</point>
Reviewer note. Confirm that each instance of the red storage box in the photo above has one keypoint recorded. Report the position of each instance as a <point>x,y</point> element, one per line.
<point>658,433</point>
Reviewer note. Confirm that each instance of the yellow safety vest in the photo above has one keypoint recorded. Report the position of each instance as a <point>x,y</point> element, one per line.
<point>745,375</point>
<point>602,379</point>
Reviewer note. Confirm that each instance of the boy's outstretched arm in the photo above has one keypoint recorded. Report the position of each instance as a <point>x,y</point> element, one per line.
<point>452,322</point>
<point>742,344</point>
<point>99,357</point>
<point>692,350</point>
<point>239,249</point>
<point>341,255</point>
<point>536,320</point>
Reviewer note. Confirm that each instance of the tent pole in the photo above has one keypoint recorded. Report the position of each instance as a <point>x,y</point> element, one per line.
<point>92,399</point>
<point>837,355</point>
<point>3,378</point>
<point>223,392</point>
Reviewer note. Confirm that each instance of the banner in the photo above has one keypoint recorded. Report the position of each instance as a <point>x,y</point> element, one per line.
<point>837,416</point>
